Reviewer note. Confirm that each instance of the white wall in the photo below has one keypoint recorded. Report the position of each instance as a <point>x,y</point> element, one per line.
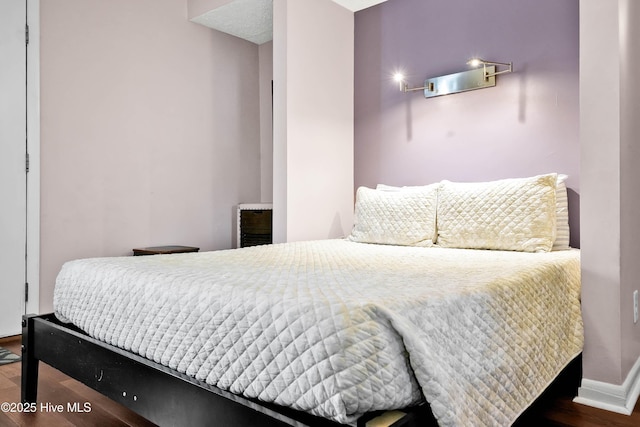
<point>600,188</point>
<point>265,56</point>
<point>610,204</point>
<point>280,119</point>
<point>629,13</point>
<point>13,189</point>
<point>313,113</point>
<point>149,132</point>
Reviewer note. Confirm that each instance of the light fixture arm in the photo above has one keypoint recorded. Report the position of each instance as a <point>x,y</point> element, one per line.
<point>404,87</point>
<point>504,64</point>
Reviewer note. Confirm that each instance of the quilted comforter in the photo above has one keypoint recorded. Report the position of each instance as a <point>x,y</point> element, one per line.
<point>338,328</point>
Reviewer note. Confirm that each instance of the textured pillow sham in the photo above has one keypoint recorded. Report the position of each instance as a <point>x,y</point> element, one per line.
<point>562,215</point>
<point>511,214</point>
<point>406,218</point>
<point>561,242</point>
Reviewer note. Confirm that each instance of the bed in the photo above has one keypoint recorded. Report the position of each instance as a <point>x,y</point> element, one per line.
<point>328,332</point>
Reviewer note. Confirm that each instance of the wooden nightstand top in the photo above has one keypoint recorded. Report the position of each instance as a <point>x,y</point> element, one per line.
<point>162,250</point>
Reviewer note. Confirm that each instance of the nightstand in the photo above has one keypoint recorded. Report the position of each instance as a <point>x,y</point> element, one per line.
<point>163,250</point>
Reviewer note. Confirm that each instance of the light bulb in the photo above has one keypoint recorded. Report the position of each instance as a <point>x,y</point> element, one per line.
<point>475,62</point>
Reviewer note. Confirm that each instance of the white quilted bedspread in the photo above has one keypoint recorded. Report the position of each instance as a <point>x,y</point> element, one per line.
<point>339,328</point>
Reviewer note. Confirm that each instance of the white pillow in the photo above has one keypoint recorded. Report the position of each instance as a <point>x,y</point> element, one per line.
<point>406,218</point>
<point>562,215</point>
<point>384,187</point>
<point>511,214</point>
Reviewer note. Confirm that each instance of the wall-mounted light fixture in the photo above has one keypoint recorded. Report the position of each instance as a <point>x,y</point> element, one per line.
<point>459,82</point>
<point>476,62</point>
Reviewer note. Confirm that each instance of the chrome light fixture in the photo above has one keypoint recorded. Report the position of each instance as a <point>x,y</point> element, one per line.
<point>478,78</point>
<point>476,62</point>
<point>404,86</point>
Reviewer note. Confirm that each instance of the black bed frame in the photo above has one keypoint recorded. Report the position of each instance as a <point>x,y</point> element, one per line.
<point>162,395</point>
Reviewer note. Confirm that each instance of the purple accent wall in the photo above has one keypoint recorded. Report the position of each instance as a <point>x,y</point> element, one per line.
<point>528,124</point>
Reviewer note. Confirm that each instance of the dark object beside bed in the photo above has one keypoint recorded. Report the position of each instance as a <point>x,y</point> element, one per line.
<point>160,394</point>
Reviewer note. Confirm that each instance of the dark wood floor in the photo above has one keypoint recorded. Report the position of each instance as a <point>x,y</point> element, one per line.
<point>555,408</point>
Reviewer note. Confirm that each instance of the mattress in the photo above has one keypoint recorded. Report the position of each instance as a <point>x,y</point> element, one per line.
<point>338,328</point>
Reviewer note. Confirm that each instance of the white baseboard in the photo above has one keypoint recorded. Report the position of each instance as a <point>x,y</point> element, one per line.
<point>616,398</point>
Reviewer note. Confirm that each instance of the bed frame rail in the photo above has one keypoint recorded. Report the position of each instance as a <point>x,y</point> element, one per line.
<point>162,395</point>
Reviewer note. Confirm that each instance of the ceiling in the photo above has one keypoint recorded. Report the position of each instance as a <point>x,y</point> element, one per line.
<point>252,20</point>
<point>356,5</point>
